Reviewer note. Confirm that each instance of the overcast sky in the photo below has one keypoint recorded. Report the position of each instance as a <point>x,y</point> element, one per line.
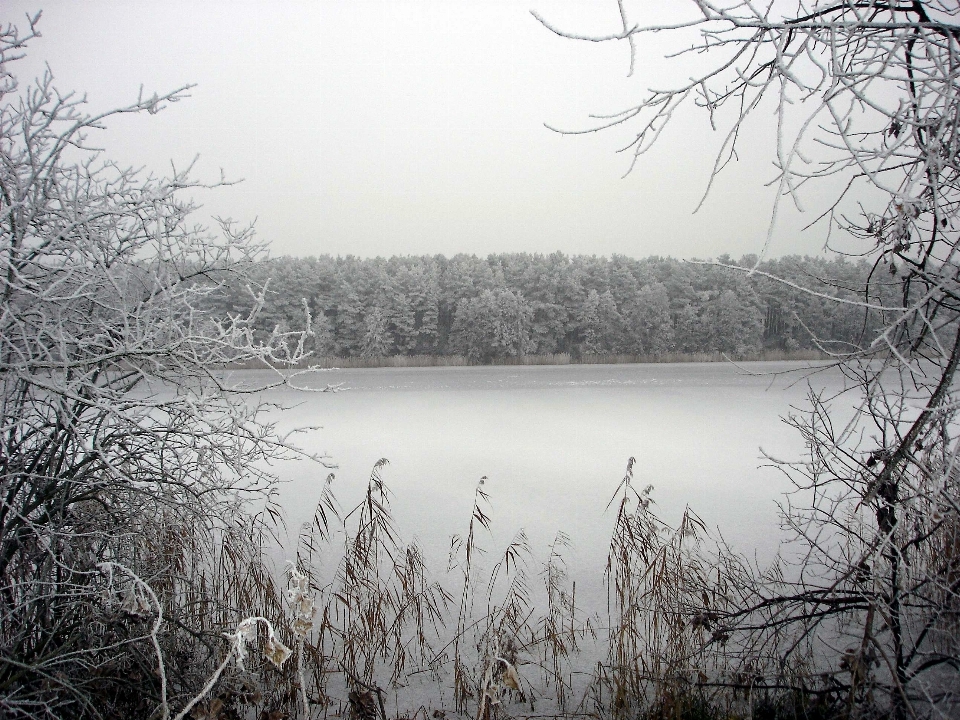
<point>401,127</point>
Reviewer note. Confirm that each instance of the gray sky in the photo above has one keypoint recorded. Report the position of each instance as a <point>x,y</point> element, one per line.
<point>387,127</point>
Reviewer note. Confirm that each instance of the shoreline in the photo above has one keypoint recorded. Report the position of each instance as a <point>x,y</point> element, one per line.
<point>407,361</point>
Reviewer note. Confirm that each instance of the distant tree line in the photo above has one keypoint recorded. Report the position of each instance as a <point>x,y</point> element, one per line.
<point>520,304</point>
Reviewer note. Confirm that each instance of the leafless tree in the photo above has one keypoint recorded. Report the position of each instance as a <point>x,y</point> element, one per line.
<point>128,463</point>
<point>861,611</point>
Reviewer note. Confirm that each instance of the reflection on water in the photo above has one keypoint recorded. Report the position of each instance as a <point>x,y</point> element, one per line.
<point>554,443</point>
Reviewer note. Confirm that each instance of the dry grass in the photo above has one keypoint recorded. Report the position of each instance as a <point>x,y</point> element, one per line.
<point>358,626</point>
<point>382,636</point>
<point>401,361</point>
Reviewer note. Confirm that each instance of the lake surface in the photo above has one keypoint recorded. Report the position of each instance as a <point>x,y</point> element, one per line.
<point>553,443</point>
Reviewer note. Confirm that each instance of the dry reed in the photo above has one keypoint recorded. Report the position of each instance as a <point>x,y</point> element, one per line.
<point>404,361</point>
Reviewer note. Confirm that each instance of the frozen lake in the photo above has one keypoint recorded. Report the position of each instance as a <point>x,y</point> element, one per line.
<point>553,443</point>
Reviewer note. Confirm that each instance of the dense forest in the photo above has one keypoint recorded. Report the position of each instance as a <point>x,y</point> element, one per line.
<point>520,304</point>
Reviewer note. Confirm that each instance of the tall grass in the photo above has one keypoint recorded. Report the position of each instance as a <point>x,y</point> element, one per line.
<point>375,633</point>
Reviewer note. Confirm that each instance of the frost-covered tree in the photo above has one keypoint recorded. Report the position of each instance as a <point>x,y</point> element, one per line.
<point>127,459</point>
<point>320,343</point>
<point>650,325</point>
<point>348,319</point>
<point>590,329</point>
<point>862,617</point>
<point>611,322</point>
<point>512,325</point>
<point>734,326</point>
<point>493,324</point>
<point>376,338</point>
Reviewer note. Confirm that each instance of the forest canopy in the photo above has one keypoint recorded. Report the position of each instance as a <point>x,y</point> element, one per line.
<point>516,304</point>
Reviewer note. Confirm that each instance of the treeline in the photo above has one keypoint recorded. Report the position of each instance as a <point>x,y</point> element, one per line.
<point>518,304</point>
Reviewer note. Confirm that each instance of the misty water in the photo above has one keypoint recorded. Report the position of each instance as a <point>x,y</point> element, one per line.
<point>553,443</point>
